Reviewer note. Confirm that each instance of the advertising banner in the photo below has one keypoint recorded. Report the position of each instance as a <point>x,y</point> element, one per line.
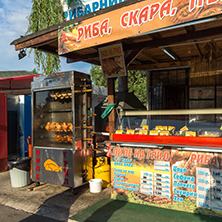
<point>133,20</point>
<point>112,61</point>
<point>83,7</point>
<point>168,178</point>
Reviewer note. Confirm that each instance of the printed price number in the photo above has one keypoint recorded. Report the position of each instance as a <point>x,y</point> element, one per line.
<point>217,189</point>
<point>216,173</point>
<point>217,198</point>
<point>158,188</point>
<point>200,172</point>
<point>200,188</point>
<point>217,181</point>
<point>201,180</point>
<point>159,184</point>
<point>201,196</point>
<point>159,175</point>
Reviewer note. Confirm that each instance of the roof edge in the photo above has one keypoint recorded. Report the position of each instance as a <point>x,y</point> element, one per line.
<point>75,20</point>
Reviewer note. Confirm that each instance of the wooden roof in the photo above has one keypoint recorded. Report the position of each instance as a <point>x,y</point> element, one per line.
<point>143,52</point>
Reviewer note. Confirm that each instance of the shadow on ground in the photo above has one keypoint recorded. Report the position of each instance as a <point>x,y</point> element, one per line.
<point>57,207</point>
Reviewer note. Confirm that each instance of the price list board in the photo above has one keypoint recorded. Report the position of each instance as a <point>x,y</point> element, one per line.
<point>174,179</point>
<point>203,187</point>
<point>216,189</point>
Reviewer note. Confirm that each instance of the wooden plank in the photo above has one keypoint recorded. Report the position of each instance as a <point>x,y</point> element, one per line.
<point>196,46</point>
<point>176,39</point>
<point>164,65</point>
<point>149,57</point>
<point>38,40</point>
<point>111,100</point>
<point>132,56</point>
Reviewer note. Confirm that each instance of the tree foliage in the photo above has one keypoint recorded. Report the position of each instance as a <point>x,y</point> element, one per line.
<point>44,14</point>
<point>137,84</point>
<point>97,76</point>
<point>136,81</point>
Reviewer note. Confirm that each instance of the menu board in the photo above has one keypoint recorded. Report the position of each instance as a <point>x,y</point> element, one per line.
<point>168,178</point>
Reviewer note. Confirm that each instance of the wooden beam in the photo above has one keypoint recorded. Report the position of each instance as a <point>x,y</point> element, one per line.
<point>151,58</point>
<point>176,39</point>
<point>164,65</point>
<point>38,40</point>
<point>111,100</point>
<point>196,46</point>
<point>132,56</point>
<point>161,42</point>
<point>191,29</point>
<point>47,49</point>
<point>155,35</point>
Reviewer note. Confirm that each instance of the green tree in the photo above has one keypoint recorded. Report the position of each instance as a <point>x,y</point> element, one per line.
<point>137,84</point>
<point>45,13</point>
<point>97,76</point>
<point>136,81</point>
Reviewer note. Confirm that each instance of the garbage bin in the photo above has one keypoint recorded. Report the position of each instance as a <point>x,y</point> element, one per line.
<point>19,171</point>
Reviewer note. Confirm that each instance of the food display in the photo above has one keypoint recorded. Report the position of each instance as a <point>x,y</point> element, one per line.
<point>59,127</point>
<point>185,126</point>
<point>64,94</point>
<point>65,139</point>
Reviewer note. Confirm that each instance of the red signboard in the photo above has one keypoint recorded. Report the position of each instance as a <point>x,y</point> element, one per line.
<point>3,132</point>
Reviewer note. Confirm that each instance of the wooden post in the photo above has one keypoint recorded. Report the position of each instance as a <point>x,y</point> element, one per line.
<point>111,100</point>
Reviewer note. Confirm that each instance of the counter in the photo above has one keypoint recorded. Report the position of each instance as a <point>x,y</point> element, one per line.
<point>174,172</point>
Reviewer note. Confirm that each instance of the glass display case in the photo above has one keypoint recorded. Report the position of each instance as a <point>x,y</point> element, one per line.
<point>61,128</point>
<point>206,122</point>
<point>193,127</point>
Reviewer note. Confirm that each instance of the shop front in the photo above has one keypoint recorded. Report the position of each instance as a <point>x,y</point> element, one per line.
<point>170,154</point>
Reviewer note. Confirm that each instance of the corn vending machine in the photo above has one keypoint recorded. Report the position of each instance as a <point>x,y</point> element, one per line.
<point>61,129</point>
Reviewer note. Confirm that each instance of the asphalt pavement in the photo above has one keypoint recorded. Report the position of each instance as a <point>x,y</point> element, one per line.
<point>9,214</point>
<point>51,201</point>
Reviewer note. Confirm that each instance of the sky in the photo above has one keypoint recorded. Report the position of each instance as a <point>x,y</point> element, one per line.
<point>13,23</point>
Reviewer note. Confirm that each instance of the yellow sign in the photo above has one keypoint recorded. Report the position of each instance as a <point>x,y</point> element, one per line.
<point>143,132</point>
<point>190,133</point>
<point>184,128</point>
<point>159,128</point>
<point>52,166</point>
<point>154,132</point>
<point>171,128</point>
<point>164,133</point>
<point>112,61</point>
<point>119,132</point>
<point>145,127</point>
<point>130,131</point>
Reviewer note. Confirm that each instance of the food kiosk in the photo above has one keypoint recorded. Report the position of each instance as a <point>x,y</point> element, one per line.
<point>61,129</point>
<point>161,157</point>
<point>170,159</point>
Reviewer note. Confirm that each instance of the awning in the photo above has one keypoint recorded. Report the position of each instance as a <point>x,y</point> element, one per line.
<point>17,85</point>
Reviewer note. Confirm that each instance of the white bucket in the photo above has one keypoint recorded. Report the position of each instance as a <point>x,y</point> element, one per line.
<point>95,185</point>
